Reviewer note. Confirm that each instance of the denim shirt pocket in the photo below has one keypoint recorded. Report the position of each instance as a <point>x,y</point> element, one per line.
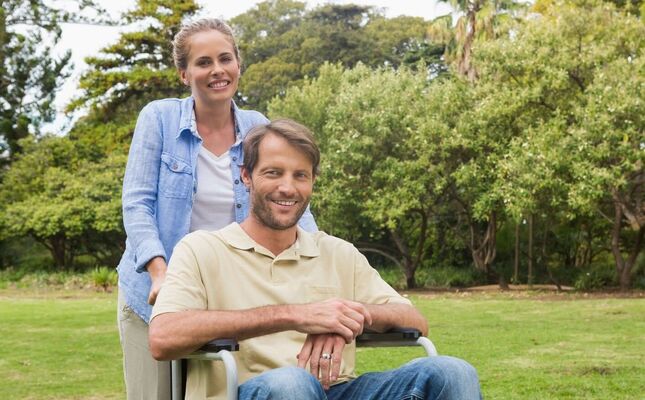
<point>175,177</point>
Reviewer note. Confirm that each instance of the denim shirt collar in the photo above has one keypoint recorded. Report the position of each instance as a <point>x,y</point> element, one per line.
<point>187,122</point>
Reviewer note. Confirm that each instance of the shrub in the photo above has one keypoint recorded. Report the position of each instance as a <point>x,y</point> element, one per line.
<point>447,277</point>
<point>393,276</point>
<point>597,277</point>
<point>104,278</point>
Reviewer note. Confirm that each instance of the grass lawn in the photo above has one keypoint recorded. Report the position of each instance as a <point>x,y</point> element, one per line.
<point>64,345</point>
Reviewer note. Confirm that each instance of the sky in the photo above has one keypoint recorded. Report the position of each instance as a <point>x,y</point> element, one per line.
<point>86,40</point>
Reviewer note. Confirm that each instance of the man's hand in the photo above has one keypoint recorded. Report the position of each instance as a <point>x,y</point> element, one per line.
<point>325,370</point>
<point>157,269</point>
<point>343,317</point>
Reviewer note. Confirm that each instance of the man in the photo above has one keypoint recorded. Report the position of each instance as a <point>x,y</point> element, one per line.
<point>294,300</point>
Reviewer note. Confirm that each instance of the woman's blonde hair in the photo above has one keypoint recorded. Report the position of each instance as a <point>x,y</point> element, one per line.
<point>181,42</point>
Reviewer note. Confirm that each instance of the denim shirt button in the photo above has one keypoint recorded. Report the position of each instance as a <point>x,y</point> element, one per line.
<point>175,167</point>
<point>234,158</point>
<point>239,205</point>
<point>237,181</point>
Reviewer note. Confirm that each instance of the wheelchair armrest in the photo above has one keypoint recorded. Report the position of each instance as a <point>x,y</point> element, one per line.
<point>220,344</point>
<point>393,337</point>
<point>397,337</point>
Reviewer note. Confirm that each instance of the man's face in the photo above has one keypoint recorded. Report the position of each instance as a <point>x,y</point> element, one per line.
<point>281,184</point>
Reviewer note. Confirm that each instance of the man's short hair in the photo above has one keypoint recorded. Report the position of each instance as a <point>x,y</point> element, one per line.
<point>297,135</point>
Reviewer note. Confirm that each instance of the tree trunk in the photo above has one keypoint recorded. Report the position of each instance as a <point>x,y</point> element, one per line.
<point>502,282</point>
<point>624,266</point>
<point>464,66</point>
<point>414,254</point>
<point>410,281</point>
<point>484,250</point>
<point>516,260</point>
<point>409,268</point>
<point>3,40</point>
<point>544,259</point>
<point>530,260</point>
<point>58,251</point>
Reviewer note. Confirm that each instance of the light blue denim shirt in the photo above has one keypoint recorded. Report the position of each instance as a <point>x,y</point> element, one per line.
<point>160,185</point>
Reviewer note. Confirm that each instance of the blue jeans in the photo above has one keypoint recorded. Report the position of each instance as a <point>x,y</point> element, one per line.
<point>430,378</point>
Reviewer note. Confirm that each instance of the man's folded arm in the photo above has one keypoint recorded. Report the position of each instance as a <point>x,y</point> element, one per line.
<point>175,334</point>
<point>396,315</point>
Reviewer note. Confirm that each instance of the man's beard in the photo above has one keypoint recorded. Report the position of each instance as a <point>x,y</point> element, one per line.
<point>263,213</point>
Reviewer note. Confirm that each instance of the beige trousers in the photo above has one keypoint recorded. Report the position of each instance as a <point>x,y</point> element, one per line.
<point>145,377</point>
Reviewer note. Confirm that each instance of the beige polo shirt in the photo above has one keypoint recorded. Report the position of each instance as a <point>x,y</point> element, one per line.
<point>227,270</point>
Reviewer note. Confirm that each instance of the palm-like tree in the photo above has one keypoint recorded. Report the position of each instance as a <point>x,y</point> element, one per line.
<point>476,19</point>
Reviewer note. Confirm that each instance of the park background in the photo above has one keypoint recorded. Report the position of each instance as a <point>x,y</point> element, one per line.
<point>499,144</point>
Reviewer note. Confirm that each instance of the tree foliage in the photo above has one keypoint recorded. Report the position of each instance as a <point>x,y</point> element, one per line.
<point>551,132</point>
<point>29,71</point>
<point>476,20</point>
<point>575,77</point>
<point>383,173</point>
<point>64,192</point>
<point>46,196</point>
<point>139,67</point>
<point>283,43</point>
<point>531,156</point>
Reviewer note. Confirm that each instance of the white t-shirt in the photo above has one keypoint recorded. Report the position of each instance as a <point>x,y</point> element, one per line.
<point>214,205</point>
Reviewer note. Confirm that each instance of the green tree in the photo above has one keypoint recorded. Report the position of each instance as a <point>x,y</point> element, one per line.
<point>476,19</point>
<point>75,180</point>
<point>46,196</point>
<point>139,67</point>
<point>29,72</point>
<point>382,173</point>
<point>610,166</point>
<point>283,43</point>
<point>574,80</point>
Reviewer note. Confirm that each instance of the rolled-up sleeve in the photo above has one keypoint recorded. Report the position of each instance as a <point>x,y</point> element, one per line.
<point>140,186</point>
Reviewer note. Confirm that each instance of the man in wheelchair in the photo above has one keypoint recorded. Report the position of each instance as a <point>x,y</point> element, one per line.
<point>296,301</point>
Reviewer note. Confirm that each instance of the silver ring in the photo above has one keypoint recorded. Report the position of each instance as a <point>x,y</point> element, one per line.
<point>325,356</point>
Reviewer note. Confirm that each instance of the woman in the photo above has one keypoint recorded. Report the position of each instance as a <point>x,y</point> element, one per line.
<point>182,175</point>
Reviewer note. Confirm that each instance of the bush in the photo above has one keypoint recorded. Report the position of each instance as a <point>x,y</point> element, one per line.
<point>104,278</point>
<point>437,277</point>
<point>447,277</point>
<point>597,277</point>
<point>393,276</point>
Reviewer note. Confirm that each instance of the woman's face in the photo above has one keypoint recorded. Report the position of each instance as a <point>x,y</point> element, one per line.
<point>213,71</point>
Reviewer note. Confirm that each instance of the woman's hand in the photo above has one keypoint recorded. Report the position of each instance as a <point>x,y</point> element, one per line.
<point>157,269</point>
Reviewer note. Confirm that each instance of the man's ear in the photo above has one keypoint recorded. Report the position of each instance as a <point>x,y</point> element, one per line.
<point>246,177</point>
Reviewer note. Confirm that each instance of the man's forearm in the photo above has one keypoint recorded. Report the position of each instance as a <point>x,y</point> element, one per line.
<point>388,316</point>
<point>173,335</point>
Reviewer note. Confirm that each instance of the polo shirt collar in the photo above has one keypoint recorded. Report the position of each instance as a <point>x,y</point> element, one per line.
<point>304,246</point>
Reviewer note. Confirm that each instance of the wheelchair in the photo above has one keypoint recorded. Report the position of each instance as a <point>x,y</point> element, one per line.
<point>221,350</point>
